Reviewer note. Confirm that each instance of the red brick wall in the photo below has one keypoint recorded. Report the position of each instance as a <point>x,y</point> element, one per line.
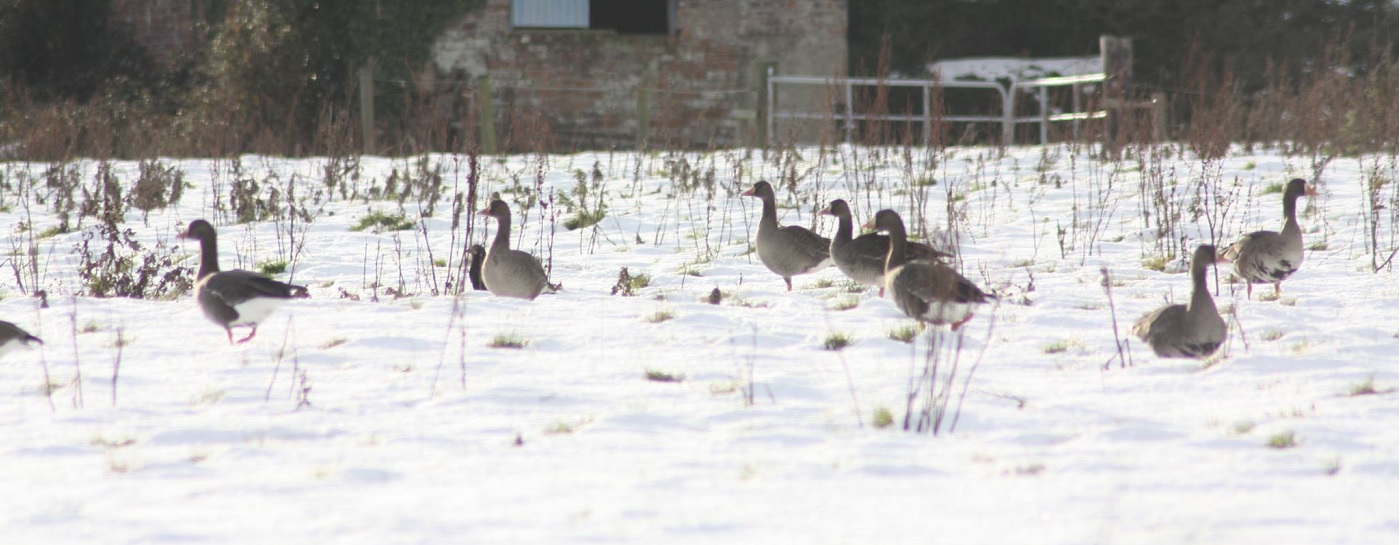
<point>583,84</point>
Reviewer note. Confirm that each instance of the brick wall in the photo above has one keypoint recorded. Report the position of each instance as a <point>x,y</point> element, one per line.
<point>703,78</point>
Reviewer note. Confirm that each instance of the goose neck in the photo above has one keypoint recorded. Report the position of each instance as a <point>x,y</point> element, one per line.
<point>1200,293</point>
<point>770,213</point>
<point>845,230</point>
<point>898,242</point>
<point>502,240</point>
<point>208,257</point>
<point>1290,212</point>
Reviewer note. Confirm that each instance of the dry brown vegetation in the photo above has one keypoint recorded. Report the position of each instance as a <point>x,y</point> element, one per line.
<point>1336,106</point>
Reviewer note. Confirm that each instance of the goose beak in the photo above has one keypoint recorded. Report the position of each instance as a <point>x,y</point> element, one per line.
<point>869,225</point>
<point>824,212</point>
<point>183,235</point>
<point>747,193</point>
<point>486,211</point>
<point>1310,190</point>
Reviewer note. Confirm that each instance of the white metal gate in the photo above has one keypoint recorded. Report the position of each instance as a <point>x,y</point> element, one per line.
<point>1007,118</point>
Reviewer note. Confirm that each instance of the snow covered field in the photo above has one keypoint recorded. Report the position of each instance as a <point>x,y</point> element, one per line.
<point>351,420</point>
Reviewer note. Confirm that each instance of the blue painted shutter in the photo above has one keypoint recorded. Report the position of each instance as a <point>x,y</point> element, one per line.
<point>549,13</point>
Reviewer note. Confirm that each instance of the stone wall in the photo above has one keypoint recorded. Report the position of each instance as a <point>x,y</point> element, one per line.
<point>580,88</point>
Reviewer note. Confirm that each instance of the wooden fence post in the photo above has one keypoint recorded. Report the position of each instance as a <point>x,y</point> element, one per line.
<point>764,121</point>
<point>1159,116</point>
<point>1117,55</point>
<point>486,114</point>
<point>643,112</point>
<point>366,74</point>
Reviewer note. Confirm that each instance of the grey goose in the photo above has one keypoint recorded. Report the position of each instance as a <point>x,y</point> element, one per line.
<point>507,272</point>
<point>237,297</point>
<point>1270,257</point>
<point>1193,330</point>
<point>13,338</point>
<point>927,291</point>
<point>787,251</point>
<point>862,258</point>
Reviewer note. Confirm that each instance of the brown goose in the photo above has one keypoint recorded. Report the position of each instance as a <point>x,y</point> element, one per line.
<point>1193,330</point>
<point>507,272</point>
<point>787,251</point>
<point>1264,257</point>
<point>927,291</point>
<point>13,338</point>
<point>237,297</point>
<point>863,258</point>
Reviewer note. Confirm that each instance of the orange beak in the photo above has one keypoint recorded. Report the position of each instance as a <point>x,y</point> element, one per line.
<point>1310,190</point>
<point>747,193</point>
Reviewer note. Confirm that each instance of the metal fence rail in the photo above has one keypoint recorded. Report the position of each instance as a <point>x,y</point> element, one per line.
<point>1007,117</point>
<point>1075,116</point>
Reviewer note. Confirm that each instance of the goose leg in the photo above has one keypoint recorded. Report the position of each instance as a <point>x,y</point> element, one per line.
<point>229,330</point>
<point>249,337</point>
<point>959,324</point>
<point>789,282</point>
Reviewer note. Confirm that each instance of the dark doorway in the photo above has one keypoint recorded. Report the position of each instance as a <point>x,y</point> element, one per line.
<point>631,16</point>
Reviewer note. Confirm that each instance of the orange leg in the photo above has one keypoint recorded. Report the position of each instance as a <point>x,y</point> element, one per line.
<point>250,335</point>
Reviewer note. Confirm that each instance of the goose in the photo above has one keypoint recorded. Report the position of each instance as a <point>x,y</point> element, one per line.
<point>237,297</point>
<point>1264,257</point>
<point>927,291</point>
<point>507,272</point>
<point>478,255</point>
<point>13,338</point>
<point>862,258</point>
<point>1193,330</point>
<point>787,251</point>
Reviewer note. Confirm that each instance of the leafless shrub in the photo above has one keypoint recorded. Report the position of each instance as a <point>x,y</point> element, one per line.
<point>24,258</point>
<point>112,263</point>
<point>1381,209</point>
<point>421,180</point>
<point>62,182</point>
<point>930,393</point>
<point>157,186</point>
<point>1216,104</point>
<point>341,174</point>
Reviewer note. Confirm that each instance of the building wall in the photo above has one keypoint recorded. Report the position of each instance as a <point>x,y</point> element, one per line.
<point>583,85</point>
